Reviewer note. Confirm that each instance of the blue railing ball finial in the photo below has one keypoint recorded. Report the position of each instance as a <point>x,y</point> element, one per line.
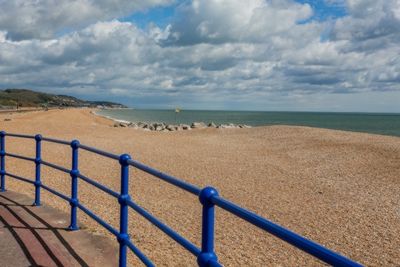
<point>121,238</point>
<point>73,202</point>
<point>2,133</point>
<point>204,258</point>
<point>74,144</point>
<point>123,199</point>
<point>123,159</point>
<point>74,173</point>
<point>38,160</point>
<point>37,183</point>
<point>206,194</point>
<point>38,137</point>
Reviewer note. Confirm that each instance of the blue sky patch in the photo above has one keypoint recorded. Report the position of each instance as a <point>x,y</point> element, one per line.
<point>160,16</point>
<point>323,10</point>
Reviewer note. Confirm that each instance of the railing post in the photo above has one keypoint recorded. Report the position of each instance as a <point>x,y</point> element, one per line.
<point>207,237</point>
<point>38,161</point>
<point>2,155</point>
<point>74,186</point>
<point>122,200</point>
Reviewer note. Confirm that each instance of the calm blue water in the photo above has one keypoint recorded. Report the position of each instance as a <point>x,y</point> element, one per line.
<point>377,123</point>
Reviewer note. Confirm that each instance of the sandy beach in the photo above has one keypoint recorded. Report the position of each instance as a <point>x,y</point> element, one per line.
<point>336,188</point>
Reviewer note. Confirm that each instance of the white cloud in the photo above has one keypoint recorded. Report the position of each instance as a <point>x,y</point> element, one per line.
<point>26,19</point>
<point>371,24</point>
<point>227,53</point>
<point>122,92</point>
<point>222,21</point>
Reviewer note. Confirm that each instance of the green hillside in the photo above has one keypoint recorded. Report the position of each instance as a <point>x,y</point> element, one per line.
<point>28,98</point>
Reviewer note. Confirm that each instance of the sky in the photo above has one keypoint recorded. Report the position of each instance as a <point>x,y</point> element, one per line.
<point>274,55</point>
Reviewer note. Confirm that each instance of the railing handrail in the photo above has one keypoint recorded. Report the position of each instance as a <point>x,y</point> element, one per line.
<point>208,197</point>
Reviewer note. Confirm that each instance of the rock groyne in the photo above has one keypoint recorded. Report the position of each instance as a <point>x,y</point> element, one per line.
<point>159,126</point>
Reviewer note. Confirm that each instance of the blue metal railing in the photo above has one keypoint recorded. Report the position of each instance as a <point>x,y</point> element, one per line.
<point>208,197</point>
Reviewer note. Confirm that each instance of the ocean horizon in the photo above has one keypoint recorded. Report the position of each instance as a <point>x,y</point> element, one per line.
<point>375,123</point>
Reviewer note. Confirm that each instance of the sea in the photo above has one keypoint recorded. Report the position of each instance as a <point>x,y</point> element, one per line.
<point>375,123</point>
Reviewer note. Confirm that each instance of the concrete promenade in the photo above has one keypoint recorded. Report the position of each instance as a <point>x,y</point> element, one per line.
<point>37,236</point>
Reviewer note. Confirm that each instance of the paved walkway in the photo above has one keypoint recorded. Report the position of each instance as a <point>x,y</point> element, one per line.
<point>36,236</point>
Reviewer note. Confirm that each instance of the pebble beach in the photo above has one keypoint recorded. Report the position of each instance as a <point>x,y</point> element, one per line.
<point>339,189</point>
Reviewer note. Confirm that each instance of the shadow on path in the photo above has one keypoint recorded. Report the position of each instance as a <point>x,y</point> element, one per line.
<point>37,236</point>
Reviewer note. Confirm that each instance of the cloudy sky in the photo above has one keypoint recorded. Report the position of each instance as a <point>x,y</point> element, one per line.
<point>303,55</point>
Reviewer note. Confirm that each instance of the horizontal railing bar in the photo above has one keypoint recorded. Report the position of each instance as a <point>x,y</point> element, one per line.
<point>296,240</point>
<point>172,180</point>
<point>56,141</point>
<point>20,178</point>
<point>20,157</point>
<point>99,186</point>
<point>98,151</point>
<point>56,167</point>
<point>175,236</point>
<point>20,135</point>
<point>55,192</point>
<point>139,254</point>
<point>97,219</point>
